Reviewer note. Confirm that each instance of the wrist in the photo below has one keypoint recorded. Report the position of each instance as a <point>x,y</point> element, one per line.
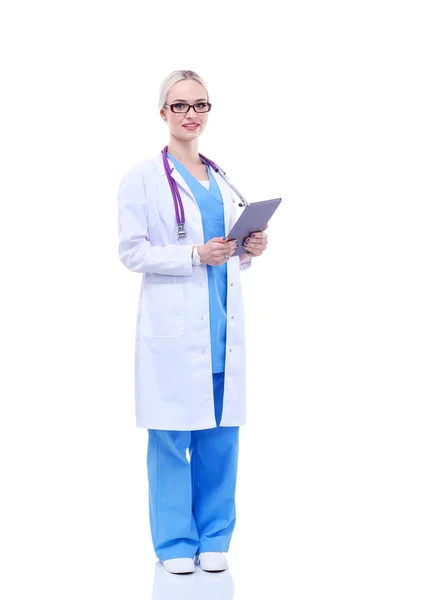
<point>201,251</point>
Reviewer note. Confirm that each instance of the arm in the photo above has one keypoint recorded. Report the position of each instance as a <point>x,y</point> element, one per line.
<point>135,250</point>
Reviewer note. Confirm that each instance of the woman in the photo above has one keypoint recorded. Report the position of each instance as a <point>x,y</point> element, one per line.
<point>190,348</point>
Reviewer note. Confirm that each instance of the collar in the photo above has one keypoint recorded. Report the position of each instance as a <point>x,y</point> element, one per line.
<point>160,168</point>
<point>158,163</point>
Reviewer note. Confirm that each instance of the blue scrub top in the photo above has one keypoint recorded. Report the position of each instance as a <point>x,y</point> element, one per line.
<point>211,206</point>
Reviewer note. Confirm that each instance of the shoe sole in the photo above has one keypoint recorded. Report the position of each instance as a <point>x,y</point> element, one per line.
<point>179,572</point>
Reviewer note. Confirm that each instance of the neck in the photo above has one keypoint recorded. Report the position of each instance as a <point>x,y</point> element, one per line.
<point>185,152</point>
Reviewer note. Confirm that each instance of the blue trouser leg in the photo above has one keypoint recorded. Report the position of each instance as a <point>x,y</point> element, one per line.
<point>191,505</point>
<point>172,524</point>
<point>214,454</point>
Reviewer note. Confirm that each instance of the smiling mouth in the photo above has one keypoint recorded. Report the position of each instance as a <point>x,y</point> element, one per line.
<point>191,126</point>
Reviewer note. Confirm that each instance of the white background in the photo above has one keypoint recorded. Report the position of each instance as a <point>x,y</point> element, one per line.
<point>322,103</point>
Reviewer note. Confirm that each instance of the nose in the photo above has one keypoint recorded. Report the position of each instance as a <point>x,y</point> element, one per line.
<point>191,112</point>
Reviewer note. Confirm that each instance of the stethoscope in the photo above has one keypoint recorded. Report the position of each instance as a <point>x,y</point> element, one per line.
<point>179,208</point>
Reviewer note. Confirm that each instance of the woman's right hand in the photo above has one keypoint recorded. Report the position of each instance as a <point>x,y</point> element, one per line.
<point>217,251</point>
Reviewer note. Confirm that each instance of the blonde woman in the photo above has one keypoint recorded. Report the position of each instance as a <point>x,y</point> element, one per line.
<point>174,214</point>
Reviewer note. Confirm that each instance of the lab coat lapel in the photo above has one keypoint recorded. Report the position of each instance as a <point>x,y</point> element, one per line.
<point>181,181</point>
<point>175,175</point>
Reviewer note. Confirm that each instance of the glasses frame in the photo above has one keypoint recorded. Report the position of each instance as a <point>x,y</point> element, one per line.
<point>193,106</point>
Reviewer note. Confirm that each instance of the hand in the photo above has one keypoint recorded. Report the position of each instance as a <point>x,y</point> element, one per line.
<point>217,251</point>
<point>256,244</point>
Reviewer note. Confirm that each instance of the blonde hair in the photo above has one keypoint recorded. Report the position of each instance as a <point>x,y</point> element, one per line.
<point>173,78</point>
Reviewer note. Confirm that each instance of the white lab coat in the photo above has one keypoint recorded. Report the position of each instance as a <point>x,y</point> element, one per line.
<point>173,369</point>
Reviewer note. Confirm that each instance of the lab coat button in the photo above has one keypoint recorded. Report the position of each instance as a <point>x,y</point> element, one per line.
<point>231,284</point>
<point>194,218</point>
<point>203,350</point>
<point>232,316</point>
<point>202,317</point>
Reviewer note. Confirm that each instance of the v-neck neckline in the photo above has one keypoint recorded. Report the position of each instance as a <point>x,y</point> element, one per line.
<point>191,174</point>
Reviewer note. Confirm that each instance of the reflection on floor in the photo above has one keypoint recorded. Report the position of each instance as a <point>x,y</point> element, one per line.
<point>199,585</point>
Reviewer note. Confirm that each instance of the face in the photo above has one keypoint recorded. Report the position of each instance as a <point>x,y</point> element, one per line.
<point>186,126</point>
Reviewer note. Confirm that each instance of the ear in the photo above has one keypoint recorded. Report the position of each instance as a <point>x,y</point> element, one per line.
<point>163,115</point>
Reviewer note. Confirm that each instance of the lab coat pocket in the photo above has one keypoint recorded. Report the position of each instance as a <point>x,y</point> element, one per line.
<point>162,309</point>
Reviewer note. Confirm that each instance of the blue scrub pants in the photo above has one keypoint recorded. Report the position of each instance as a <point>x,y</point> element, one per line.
<point>192,506</point>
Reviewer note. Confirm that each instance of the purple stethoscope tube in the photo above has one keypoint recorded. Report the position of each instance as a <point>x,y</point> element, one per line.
<point>179,208</point>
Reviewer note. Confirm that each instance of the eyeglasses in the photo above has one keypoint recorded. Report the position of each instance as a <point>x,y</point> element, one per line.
<point>182,107</point>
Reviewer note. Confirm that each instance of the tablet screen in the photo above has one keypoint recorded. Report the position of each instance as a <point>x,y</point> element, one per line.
<point>255,217</point>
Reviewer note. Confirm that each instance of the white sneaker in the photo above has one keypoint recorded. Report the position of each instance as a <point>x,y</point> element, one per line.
<point>213,561</point>
<point>179,566</point>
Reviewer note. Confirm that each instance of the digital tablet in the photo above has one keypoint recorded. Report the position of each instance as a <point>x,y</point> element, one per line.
<point>254,218</point>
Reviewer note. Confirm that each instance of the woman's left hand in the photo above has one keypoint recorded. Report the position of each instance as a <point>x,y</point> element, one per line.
<point>256,244</point>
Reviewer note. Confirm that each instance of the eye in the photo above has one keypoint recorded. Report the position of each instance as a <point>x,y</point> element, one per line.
<point>201,105</point>
<point>180,106</point>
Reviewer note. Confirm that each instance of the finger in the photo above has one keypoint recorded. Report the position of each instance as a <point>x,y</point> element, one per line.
<point>257,240</point>
<point>221,252</point>
<point>255,246</point>
<point>255,251</point>
<point>222,248</point>
<point>220,240</point>
<point>251,242</point>
<point>222,257</point>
